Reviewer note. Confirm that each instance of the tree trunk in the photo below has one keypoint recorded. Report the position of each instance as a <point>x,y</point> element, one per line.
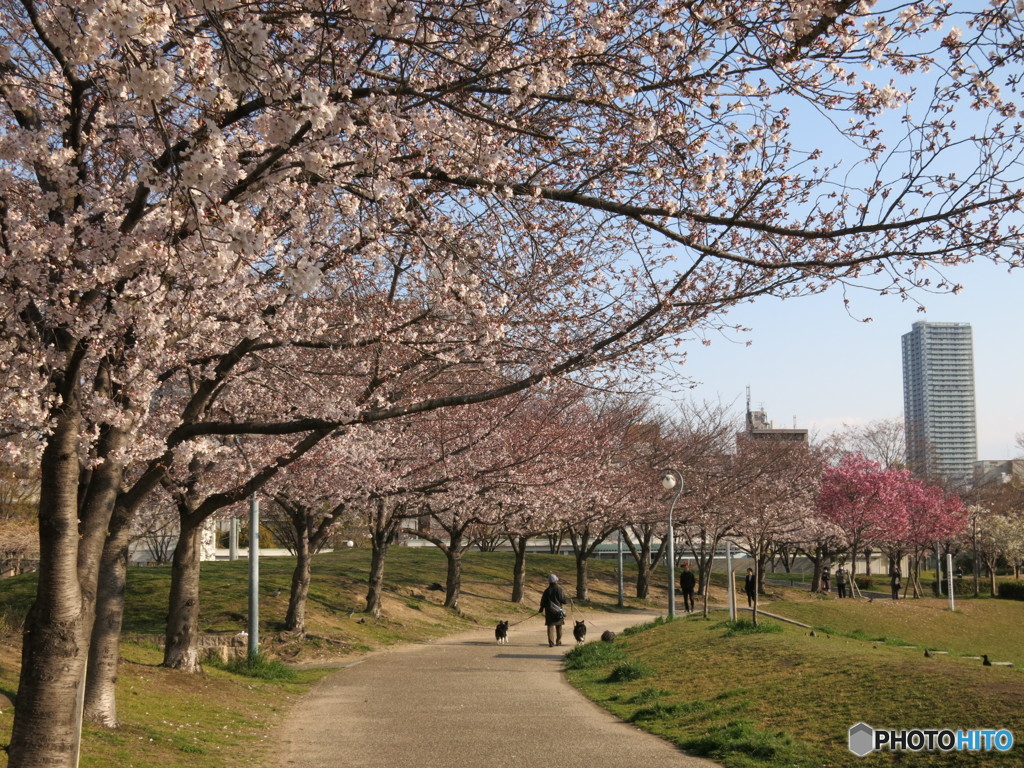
<point>295,620</point>
<point>816,577</point>
<point>453,582</point>
<point>55,641</point>
<point>643,579</point>
<point>519,570</point>
<point>762,562</point>
<point>181,650</point>
<point>104,650</point>
<point>582,562</point>
<point>380,539</point>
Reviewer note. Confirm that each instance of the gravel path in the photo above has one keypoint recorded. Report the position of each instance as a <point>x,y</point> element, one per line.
<point>466,701</point>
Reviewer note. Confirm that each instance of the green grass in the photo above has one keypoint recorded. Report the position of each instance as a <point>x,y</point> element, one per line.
<point>782,698</point>
<point>222,717</point>
<point>747,627</point>
<point>977,626</point>
<point>767,697</point>
<point>260,666</point>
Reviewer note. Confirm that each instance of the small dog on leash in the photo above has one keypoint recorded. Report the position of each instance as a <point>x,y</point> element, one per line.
<point>501,633</point>
<point>580,632</point>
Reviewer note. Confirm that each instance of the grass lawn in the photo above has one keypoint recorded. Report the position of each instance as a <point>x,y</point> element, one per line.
<point>786,698</point>
<point>221,718</point>
<point>977,626</point>
<point>770,700</point>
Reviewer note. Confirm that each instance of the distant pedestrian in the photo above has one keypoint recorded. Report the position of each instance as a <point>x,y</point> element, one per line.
<point>826,576</point>
<point>552,602</point>
<point>687,581</point>
<point>750,586</point>
<point>841,581</point>
<point>894,582</point>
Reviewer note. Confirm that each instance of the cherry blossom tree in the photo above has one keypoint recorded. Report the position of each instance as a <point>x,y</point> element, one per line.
<point>778,481</point>
<point>187,191</point>
<point>855,495</point>
<point>821,542</point>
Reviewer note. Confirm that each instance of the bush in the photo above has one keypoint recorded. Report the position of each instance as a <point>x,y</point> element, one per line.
<point>261,667</point>
<point>962,587</point>
<point>631,669</point>
<point>592,655</point>
<point>742,739</point>
<point>864,582</point>
<point>1011,590</point>
<point>746,627</point>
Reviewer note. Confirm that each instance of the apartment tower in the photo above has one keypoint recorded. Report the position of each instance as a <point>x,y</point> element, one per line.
<point>938,401</point>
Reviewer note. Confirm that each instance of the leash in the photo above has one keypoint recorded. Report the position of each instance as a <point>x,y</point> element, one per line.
<point>516,624</point>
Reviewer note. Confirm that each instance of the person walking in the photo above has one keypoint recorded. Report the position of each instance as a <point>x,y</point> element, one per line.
<point>894,582</point>
<point>826,576</point>
<point>841,581</point>
<point>552,603</point>
<point>750,586</point>
<point>687,581</point>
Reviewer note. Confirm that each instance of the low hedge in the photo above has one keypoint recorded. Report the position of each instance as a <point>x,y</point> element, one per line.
<point>1011,590</point>
<point>964,587</point>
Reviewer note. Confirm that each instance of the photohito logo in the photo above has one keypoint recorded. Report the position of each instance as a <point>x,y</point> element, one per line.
<point>863,740</point>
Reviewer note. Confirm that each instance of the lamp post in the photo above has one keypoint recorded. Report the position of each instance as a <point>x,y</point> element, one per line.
<point>254,565</point>
<point>621,602</point>
<point>672,479</point>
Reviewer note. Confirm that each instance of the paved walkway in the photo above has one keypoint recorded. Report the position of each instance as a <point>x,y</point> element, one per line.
<point>466,701</point>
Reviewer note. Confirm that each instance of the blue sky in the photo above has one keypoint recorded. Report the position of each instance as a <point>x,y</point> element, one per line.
<point>809,359</point>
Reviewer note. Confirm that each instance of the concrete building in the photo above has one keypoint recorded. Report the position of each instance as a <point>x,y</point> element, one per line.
<point>1001,472</point>
<point>938,401</point>
<point>760,428</point>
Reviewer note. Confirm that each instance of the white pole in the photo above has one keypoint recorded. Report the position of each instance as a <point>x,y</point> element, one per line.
<point>233,540</point>
<point>254,576</point>
<point>949,578</point>
<point>671,563</point>
<point>621,601</point>
<point>672,479</point>
<point>731,581</point>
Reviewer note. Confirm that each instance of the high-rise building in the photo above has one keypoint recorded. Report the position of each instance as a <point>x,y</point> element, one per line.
<point>938,401</point>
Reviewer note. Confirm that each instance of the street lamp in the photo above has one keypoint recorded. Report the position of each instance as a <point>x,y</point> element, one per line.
<point>254,564</point>
<point>672,479</point>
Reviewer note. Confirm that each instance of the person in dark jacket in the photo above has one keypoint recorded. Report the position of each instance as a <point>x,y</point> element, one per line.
<point>552,603</point>
<point>687,582</point>
<point>894,582</point>
<point>750,586</point>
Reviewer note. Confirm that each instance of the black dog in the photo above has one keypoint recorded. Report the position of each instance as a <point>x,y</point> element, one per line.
<point>608,636</point>
<point>580,632</point>
<point>501,632</point>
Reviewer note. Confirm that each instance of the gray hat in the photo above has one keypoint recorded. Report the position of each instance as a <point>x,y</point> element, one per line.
<point>553,579</point>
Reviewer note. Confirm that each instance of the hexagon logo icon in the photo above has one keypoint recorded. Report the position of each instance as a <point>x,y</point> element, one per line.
<point>861,739</point>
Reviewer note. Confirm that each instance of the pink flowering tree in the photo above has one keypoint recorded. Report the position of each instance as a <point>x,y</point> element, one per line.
<point>888,508</point>
<point>921,516</point>
<point>188,193</point>
<point>857,497</point>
